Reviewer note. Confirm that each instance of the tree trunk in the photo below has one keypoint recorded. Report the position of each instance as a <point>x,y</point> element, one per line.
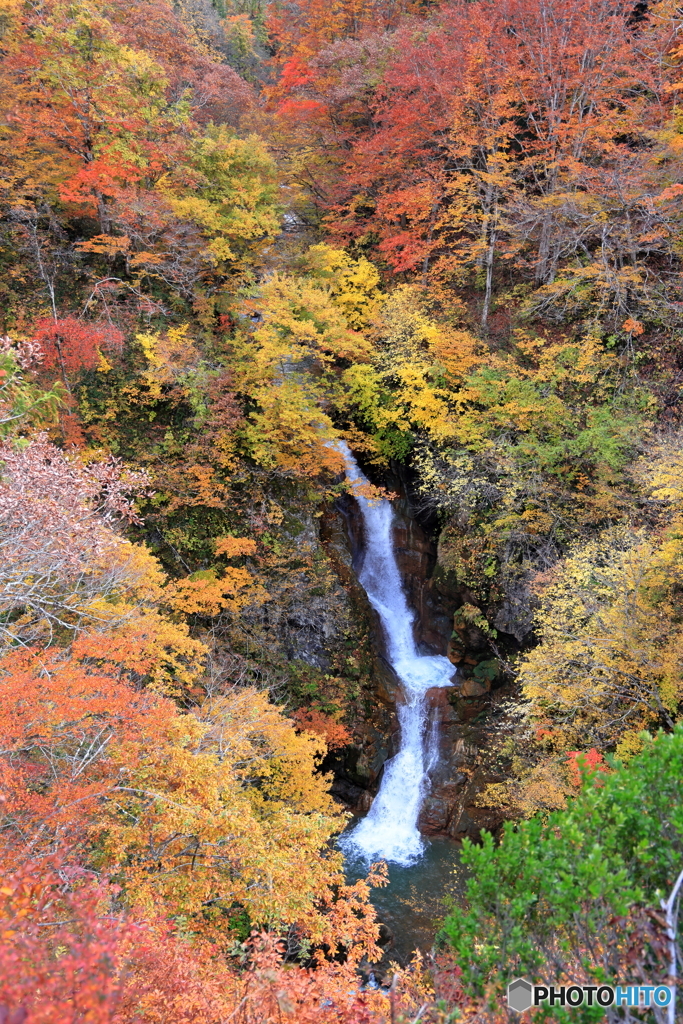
<point>492,233</point>
<point>670,908</point>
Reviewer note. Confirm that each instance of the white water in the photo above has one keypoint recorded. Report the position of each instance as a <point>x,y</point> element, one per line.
<point>389,830</point>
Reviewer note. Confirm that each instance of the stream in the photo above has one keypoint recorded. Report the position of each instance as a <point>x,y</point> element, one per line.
<point>389,830</point>
<point>418,868</point>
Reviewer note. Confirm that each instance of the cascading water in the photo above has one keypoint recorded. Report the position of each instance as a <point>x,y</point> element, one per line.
<point>389,830</point>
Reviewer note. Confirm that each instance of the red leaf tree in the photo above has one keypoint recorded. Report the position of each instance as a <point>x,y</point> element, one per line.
<point>72,344</point>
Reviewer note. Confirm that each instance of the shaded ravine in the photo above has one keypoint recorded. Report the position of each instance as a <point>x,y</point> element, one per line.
<point>389,830</point>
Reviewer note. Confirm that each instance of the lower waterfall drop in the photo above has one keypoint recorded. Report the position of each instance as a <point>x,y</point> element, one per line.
<point>389,830</point>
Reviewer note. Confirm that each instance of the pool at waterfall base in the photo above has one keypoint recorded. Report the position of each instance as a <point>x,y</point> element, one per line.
<point>416,899</point>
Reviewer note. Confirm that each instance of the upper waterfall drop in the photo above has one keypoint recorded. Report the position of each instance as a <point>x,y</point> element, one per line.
<point>389,830</point>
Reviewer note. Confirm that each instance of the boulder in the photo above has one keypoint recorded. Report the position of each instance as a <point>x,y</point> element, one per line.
<point>516,612</point>
<point>455,652</point>
<point>364,802</point>
<point>434,816</point>
<point>475,687</point>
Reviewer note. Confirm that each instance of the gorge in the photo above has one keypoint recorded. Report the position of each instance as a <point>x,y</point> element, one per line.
<point>389,831</point>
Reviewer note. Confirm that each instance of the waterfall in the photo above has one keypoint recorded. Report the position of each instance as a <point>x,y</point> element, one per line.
<point>389,830</point>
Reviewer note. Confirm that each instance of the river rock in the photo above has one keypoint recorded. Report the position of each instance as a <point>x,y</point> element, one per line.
<point>434,816</point>
<point>437,697</point>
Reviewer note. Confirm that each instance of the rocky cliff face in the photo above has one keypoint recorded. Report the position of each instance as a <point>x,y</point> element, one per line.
<point>451,808</point>
<point>372,717</point>
<point>464,713</point>
<point>320,623</point>
<point>310,618</point>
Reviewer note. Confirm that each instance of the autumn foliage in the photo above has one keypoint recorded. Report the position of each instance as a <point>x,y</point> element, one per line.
<point>232,234</point>
<point>585,763</point>
<point>69,955</point>
<point>69,344</point>
<point>459,153</point>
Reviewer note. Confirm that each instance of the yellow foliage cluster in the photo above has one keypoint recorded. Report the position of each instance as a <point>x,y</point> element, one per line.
<point>288,367</point>
<point>143,617</point>
<point>352,284</point>
<point>539,786</point>
<point>231,547</point>
<point>169,358</point>
<point>408,384</point>
<point>610,661</point>
<point>141,639</point>
<point>225,809</point>
<point>228,188</point>
<point>207,593</point>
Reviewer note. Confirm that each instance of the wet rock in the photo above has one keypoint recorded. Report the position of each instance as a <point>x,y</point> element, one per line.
<point>448,715</point>
<point>416,556</point>
<point>388,685</point>
<point>364,803</point>
<point>346,791</point>
<point>469,710</point>
<point>470,819</point>
<point>462,825</point>
<point>438,697</point>
<point>456,650</point>
<point>434,816</point>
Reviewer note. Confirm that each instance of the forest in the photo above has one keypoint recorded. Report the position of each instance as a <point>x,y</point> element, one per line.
<point>341,508</point>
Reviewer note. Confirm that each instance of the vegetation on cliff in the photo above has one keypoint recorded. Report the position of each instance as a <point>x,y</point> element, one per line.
<point>450,234</point>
